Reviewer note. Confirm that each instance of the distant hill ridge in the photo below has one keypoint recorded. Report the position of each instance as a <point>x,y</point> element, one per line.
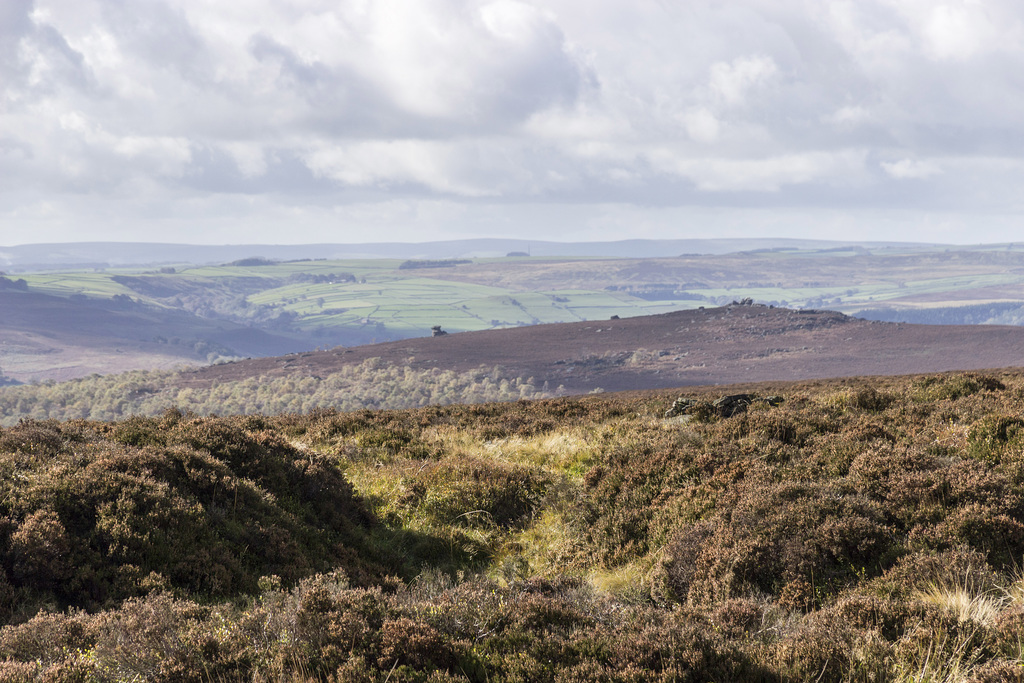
<point>104,254</point>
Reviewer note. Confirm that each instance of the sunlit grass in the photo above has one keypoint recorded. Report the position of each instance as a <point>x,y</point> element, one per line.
<point>940,659</point>
<point>966,604</point>
<point>628,582</point>
<point>570,451</point>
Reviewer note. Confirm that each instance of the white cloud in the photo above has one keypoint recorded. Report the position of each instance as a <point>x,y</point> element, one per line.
<point>702,125</point>
<point>958,30</point>
<point>250,158</point>
<point>436,165</point>
<point>730,81</point>
<point>763,175</point>
<point>911,169</point>
<point>144,109</point>
<point>850,116</point>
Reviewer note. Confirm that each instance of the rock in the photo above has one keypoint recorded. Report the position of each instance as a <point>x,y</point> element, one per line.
<point>726,406</point>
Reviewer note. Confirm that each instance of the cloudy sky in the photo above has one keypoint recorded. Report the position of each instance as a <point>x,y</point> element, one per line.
<point>290,121</point>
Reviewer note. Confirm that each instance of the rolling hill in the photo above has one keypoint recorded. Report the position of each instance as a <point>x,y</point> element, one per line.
<point>724,345</point>
<point>47,337</point>
<point>256,306</point>
<point>742,343</point>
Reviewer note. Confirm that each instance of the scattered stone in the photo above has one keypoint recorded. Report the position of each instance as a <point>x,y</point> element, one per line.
<point>436,331</point>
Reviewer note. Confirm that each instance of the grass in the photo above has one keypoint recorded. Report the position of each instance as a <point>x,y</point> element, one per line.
<point>568,452</point>
<point>941,658</point>
<point>964,602</point>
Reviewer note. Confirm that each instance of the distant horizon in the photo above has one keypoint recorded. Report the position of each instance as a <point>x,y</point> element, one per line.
<point>59,255</point>
<point>768,238</point>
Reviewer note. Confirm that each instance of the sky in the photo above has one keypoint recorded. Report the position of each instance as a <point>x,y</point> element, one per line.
<point>306,121</point>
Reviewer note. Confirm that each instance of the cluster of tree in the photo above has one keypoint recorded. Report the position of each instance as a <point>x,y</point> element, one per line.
<point>253,261</point>
<point>369,384</point>
<point>322,278</point>
<point>438,263</point>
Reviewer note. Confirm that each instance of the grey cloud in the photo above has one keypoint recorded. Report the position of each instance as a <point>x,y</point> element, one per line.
<point>35,59</point>
<point>160,35</point>
<point>771,104</point>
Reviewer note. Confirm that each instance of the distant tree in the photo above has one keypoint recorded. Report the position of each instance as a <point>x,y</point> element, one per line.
<point>253,261</point>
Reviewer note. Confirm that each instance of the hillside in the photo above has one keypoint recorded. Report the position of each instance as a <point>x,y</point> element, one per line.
<point>736,343</point>
<point>46,337</point>
<point>741,343</point>
<point>305,304</point>
<point>861,530</point>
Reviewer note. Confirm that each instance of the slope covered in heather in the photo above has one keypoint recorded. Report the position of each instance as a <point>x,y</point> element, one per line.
<point>864,529</point>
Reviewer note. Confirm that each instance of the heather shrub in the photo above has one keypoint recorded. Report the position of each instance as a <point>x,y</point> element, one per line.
<point>416,645</point>
<point>475,492</point>
<point>995,437</point>
<point>737,618</point>
<point>916,571</point>
<point>19,672</point>
<point>46,637</point>
<point>389,441</point>
<point>863,530</point>
<point>826,648</point>
<point>871,400</point>
<point>138,431</point>
<point>778,536</point>
<point>208,513</point>
<point>886,616</point>
<point>334,624</point>
<point>157,638</point>
<point>41,551</point>
<point>1009,632</point>
<point>954,386</point>
<point>36,438</point>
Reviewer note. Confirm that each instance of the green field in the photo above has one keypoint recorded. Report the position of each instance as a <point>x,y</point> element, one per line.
<point>487,293</point>
<point>373,293</point>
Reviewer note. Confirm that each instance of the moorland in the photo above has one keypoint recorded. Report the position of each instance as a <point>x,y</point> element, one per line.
<point>63,323</point>
<point>736,343</point>
<point>865,529</point>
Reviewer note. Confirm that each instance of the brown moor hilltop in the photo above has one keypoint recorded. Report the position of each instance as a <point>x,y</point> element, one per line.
<point>731,344</point>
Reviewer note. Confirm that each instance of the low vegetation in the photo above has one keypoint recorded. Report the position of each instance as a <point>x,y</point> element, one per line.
<point>861,530</point>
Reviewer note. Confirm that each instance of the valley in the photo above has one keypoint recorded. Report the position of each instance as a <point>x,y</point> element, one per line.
<point>176,315</point>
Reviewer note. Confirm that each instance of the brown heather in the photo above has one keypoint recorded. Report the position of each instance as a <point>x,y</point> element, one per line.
<point>864,530</point>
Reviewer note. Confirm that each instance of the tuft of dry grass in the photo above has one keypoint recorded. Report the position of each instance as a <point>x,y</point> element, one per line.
<point>941,659</point>
<point>963,602</point>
